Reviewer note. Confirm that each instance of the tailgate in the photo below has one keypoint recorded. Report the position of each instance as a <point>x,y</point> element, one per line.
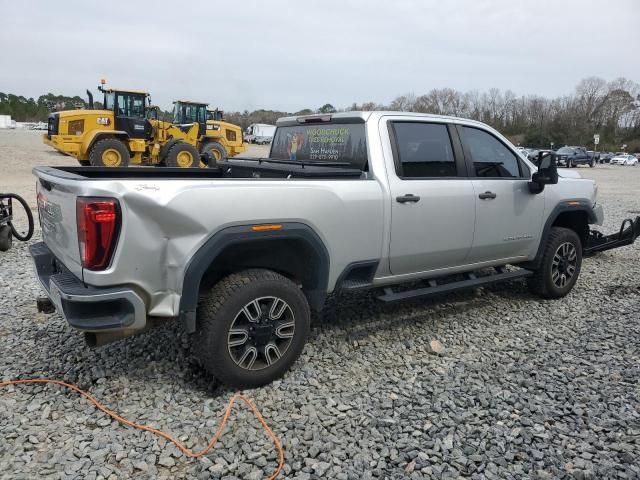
<point>57,212</point>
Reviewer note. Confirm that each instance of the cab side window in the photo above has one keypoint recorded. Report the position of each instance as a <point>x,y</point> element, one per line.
<point>423,150</point>
<point>491,158</point>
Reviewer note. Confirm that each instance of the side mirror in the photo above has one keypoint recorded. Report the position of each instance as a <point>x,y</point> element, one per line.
<point>547,173</point>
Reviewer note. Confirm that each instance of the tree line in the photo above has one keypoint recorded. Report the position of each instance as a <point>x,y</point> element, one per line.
<point>610,109</point>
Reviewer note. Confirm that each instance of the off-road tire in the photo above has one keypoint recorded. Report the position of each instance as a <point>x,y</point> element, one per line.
<point>164,150</point>
<point>101,146</point>
<point>217,311</point>
<point>6,239</point>
<point>172,159</point>
<point>541,281</point>
<point>212,147</point>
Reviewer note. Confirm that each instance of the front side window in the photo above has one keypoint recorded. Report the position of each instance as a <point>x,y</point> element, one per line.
<point>424,150</point>
<point>491,158</point>
<point>202,114</point>
<point>177,113</point>
<point>109,101</point>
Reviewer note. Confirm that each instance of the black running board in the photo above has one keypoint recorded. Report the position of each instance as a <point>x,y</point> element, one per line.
<point>628,233</point>
<point>469,282</point>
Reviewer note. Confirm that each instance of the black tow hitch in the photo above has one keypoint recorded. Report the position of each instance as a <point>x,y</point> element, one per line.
<point>628,233</point>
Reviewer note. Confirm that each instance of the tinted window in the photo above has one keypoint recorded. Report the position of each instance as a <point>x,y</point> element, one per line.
<point>322,143</point>
<point>491,158</point>
<point>565,151</point>
<point>108,101</point>
<point>130,105</point>
<point>424,150</point>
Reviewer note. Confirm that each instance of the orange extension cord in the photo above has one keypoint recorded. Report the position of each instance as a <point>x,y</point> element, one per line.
<point>181,446</point>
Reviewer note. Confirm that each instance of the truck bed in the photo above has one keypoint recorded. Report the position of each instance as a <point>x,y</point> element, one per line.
<point>232,168</point>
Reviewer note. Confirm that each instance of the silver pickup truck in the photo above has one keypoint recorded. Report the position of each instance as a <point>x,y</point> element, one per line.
<point>240,253</point>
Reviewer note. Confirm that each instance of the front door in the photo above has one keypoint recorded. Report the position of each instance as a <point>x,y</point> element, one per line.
<point>130,115</point>
<point>433,203</point>
<point>508,216</point>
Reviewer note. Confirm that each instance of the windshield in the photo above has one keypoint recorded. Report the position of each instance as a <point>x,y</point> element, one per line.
<point>322,143</point>
<point>565,150</point>
<point>130,105</point>
<point>189,113</point>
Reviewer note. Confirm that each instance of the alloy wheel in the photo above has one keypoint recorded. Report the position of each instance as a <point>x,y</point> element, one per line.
<point>565,261</point>
<point>261,333</point>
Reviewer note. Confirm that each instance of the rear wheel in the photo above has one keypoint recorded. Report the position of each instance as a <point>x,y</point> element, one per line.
<point>252,327</point>
<point>183,155</point>
<point>560,265</point>
<point>592,163</point>
<point>5,238</point>
<point>216,150</point>
<point>109,152</point>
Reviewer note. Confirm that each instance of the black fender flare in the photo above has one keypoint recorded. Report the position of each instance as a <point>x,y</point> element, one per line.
<point>206,255</point>
<point>572,206</point>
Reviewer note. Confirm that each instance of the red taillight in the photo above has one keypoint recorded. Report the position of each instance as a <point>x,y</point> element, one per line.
<point>98,225</point>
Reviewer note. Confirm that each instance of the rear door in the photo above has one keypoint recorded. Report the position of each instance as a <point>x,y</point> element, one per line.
<point>433,203</point>
<point>508,216</point>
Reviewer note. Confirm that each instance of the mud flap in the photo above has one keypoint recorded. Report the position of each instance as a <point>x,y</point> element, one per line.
<point>628,233</point>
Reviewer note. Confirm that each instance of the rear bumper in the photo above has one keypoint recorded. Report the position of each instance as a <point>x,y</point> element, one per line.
<point>69,145</point>
<point>87,308</point>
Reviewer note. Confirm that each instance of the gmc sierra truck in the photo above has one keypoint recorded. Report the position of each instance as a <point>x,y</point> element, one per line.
<point>241,253</point>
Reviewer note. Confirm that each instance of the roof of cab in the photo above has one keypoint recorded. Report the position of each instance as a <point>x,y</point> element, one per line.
<point>191,102</point>
<point>124,90</point>
<point>361,117</point>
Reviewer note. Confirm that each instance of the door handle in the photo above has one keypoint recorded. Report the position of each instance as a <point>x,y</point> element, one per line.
<point>487,195</point>
<point>408,198</point>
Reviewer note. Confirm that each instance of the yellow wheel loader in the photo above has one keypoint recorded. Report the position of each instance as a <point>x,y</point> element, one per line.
<point>124,132</point>
<point>215,136</point>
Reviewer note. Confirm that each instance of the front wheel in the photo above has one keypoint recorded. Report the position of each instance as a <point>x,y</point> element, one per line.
<point>217,152</point>
<point>252,326</point>
<point>109,152</point>
<point>183,155</point>
<point>560,265</point>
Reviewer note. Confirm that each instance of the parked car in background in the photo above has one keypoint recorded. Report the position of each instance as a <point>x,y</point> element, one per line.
<point>626,159</point>
<point>574,156</point>
<point>605,157</point>
<point>259,133</point>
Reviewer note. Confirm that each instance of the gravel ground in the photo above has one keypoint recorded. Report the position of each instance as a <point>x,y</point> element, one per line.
<point>525,388</point>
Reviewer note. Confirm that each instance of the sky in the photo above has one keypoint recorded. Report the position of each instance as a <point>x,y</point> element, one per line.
<point>293,54</point>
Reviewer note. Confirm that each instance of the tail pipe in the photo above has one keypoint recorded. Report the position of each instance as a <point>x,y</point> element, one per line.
<point>90,95</point>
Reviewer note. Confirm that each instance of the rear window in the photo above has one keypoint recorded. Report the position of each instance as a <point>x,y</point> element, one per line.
<point>344,143</point>
<point>564,150</point>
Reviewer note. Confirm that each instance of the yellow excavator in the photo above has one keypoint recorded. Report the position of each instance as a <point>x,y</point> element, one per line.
<point>129,131</point>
